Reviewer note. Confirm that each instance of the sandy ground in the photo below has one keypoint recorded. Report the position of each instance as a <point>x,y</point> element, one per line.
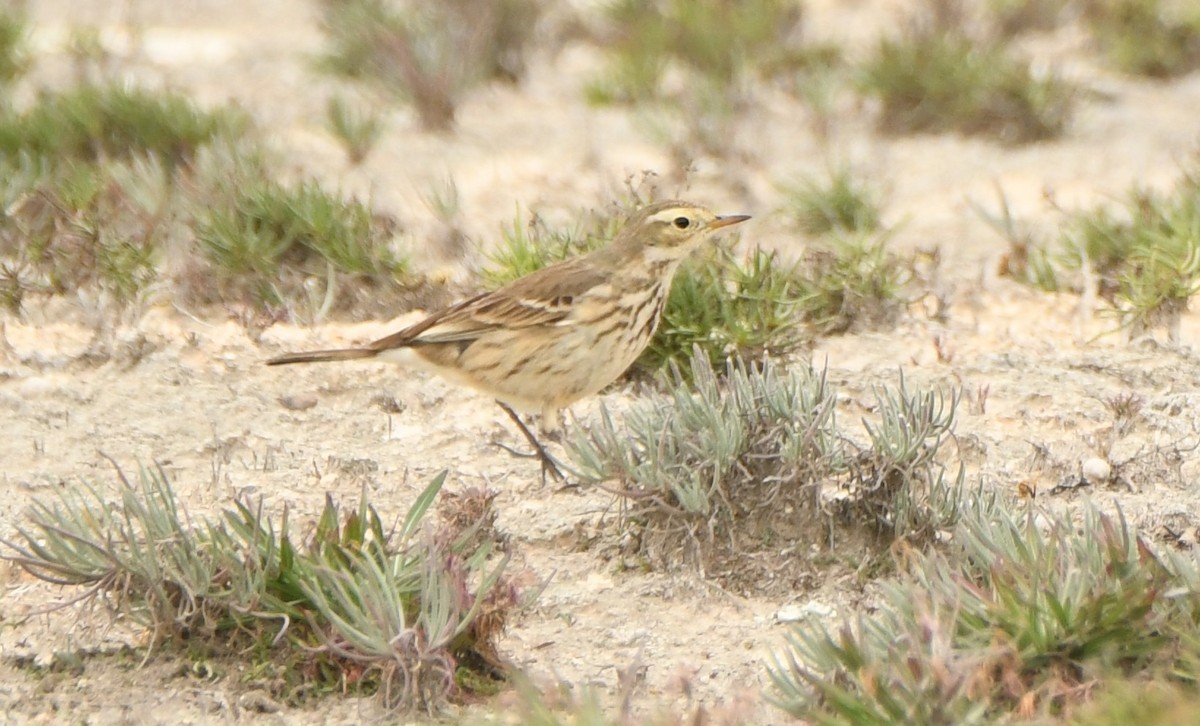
<point>193,394</point>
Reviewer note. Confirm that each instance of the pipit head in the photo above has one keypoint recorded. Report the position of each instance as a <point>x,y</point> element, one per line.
<point>561,333</point>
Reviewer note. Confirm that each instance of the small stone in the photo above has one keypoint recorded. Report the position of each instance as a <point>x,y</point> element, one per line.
<point>298,402</point>
<point>795,613</point>
<point>1096,470</point>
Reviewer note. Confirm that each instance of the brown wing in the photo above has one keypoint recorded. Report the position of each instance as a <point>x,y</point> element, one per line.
<point>544,297</point>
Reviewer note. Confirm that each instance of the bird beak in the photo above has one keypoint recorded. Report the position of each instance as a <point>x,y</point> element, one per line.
<point>727,220</point>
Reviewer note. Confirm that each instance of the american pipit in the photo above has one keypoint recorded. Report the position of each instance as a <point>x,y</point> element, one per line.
<point>559,334</point>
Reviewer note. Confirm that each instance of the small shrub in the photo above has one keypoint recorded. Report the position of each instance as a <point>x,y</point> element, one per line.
<point>74,224</point>
<point>113,121</point>
<point>842,204</point>
<point>272,238</point>
<point>1023,617</point>
<point>429,52</point>
<point>719,42</point>
<point>1145,256</point>
<point>724,466</point>
<point>726,306</point>
<point>932,80</point>
<point>1155,38</point>
<point>897,482</point>
<point>389,613</point>
<point>719,464</point>
<point>851,281</point>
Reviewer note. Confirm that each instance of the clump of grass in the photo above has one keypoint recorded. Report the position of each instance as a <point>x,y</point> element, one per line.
<point>358,131</point>
<point>14,46</point>
<point>719,43</point>
<point>842,203</point>
<point>74,224</point>
<point>389,612</point>
<point>1028,260</point>
<point>89,181</point>
<point>938,78</point>
<point>528,246</point>
<point>1146,37</point>
<point>110,186</point>
<point>275,238</point>
<point>114,121</point>
<point>1025,616</point>
<point>851,280</point>
<point>697,65</point>
<point>727,306</point>
<point>1143,256</point>
<point>1012,17</point>
<point>429,52</point>
<point>726,466</point>
<point>897,481</point>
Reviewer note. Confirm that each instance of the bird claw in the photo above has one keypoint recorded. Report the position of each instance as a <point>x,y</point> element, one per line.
<point>550,465</point>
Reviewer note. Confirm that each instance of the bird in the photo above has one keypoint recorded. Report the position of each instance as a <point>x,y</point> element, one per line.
<point>558,334</point>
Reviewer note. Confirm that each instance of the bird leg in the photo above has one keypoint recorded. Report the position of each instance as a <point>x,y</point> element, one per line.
<point>549,464</point>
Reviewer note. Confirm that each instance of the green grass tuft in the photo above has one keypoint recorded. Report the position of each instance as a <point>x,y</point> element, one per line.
<point>930,81</point>
<point>429,52</point>
<point>114,121</point>
<point>843,203</point>
<point>264,233</point>
<point>1155,38</point>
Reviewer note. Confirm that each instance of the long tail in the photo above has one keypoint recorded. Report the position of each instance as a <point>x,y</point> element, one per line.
<point>321,356</point>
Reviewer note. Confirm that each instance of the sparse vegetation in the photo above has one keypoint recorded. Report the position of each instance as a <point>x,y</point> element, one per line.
<point>1155,38</point>
<point>771,478</point>
<point>935,77</point>
<point>429,52</point>
<point>390,612</point>
<point>74,225</point>
<point>89,186</point>
<point>101,180</point>
<point>719,43</point>
<point>269,236</point>
<point>1025,616</point>
<point>1012,17</point>
<point>843,203</point>
<point>92,123</point>
<point>1143,258</point>
<point>358,131</point>
<point>721,52</point>
<point>729,464</point>
<point>850,281</point>
<point>14,50</point>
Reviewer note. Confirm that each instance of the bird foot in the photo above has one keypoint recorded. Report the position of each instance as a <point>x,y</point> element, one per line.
<point>550,465</point>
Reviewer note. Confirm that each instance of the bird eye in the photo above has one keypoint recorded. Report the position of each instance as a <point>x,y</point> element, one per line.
<point>682,223</point>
